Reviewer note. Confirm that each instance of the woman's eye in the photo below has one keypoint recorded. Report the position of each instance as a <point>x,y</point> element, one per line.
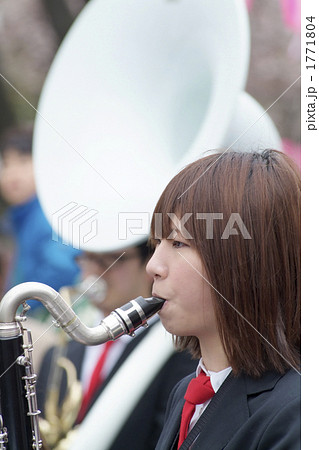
<point>178,244</point>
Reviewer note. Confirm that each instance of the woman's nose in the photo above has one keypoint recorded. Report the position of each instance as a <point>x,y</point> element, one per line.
<point>156,267</point>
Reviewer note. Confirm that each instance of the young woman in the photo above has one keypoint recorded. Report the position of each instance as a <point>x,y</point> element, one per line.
<point>226,232</point>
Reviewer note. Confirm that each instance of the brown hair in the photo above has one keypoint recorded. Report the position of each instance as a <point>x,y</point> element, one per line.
<point>258,311</point>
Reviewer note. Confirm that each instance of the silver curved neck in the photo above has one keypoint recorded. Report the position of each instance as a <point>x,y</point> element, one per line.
<point>57,307</point>
<point>121,321</point>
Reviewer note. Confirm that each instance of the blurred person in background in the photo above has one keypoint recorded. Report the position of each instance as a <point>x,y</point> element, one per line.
<point>125,278</point>
<point>37,256</point>
<point>5,258</point>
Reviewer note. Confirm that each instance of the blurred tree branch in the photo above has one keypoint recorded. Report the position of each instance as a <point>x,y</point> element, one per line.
<point>7,116</point>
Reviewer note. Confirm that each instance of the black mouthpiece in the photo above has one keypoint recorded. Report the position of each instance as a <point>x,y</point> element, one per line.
<point>151,305</point>
<point>136,312</point>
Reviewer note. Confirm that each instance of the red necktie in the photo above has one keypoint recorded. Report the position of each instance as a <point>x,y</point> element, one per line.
<point>95,381</point>
<point>198,391</point>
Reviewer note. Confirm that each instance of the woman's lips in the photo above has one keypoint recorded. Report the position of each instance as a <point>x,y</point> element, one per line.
<point>154,294</point>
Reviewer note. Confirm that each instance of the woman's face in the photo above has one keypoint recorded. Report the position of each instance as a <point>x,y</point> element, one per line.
<point>179,278</point>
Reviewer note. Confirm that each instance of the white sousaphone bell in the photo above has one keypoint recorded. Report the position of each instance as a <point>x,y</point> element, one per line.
<point>137,90</point>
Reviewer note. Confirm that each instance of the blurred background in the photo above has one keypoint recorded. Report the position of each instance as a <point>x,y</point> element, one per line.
<point>31,31</point>
<point>30,34</point>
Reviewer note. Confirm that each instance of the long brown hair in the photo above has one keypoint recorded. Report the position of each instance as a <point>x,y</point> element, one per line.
<point>256,274</point>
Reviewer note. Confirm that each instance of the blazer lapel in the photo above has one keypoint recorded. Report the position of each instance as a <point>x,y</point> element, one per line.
<point>172,426</point>
<point>168,439</point>
<point>228,410</point>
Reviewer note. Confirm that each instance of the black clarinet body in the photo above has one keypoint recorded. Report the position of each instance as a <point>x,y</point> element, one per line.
<point>14,404</point>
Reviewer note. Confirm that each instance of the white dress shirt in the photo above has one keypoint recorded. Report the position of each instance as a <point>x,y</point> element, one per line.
<point>216,379</point>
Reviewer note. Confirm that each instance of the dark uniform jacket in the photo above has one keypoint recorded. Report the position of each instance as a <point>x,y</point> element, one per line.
<point>244,414</point>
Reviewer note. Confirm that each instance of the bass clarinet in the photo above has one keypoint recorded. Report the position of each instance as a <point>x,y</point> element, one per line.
<point>19,428</point>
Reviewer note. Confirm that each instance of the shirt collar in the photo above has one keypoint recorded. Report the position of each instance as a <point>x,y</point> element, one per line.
<point>216,378</point>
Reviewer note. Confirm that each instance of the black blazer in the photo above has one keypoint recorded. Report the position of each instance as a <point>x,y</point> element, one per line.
<point>141,431</point>
<point>244,414</point>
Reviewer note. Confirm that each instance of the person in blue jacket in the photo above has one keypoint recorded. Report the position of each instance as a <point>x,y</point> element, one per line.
<point>37,256</point>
